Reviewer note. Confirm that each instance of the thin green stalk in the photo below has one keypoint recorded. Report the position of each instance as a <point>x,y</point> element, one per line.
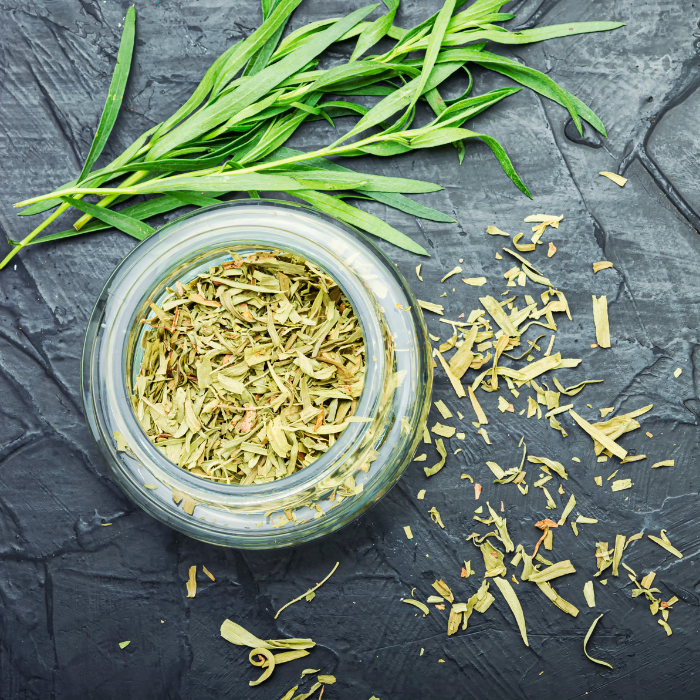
<point>28,239</point>
<point>132,179</point>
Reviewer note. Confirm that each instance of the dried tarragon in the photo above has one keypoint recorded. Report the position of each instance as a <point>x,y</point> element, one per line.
<point>251,370</point>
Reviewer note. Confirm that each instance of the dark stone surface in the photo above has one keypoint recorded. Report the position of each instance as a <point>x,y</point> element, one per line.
<point>72,589</point>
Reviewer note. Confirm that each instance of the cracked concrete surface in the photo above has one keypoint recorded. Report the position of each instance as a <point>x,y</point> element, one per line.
<point>72,589</point>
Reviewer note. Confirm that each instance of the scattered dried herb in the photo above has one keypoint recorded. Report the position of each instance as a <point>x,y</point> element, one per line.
<point>444,590</point>
<point>311,590</point>
<point>599,436</point>
<point>561,568</point>
<point>192,582</point>
<point>603,265</point>
<point>600,318</point>
<point>585,643</point>
<point>435,517</point>
<point>440,446</point>
<point>562,604</point>
<point>514,604</point>
<point>421,606</point>
<point>666,626</point>
<point>617,553</point>
<point>664,542</point>
<point>617,179</point>
<point>251,371</point>
<point>123,645</point>
<point>589,593</point>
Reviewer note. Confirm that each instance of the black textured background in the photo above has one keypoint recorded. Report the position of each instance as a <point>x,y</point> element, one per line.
<point>70,590</point>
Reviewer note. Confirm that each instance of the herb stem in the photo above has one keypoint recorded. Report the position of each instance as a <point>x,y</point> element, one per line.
<point>311,590</point>
<point>106,201</point>
<point>15,249</point>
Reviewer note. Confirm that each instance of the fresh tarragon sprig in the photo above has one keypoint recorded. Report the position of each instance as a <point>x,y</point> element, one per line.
<point>229,136</point>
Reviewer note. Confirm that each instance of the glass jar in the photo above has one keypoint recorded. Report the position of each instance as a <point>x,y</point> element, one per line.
<point>368,457</point>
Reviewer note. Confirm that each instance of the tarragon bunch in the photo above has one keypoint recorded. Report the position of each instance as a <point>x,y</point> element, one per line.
<point>229,136</point>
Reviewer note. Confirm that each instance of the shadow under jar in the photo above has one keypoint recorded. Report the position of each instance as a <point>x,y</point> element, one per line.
<point>368,457</point>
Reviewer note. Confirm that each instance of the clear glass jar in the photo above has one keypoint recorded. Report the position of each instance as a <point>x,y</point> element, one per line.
<point>365,461</point>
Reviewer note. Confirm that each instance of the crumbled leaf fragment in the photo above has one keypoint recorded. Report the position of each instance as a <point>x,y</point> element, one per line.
<point>666,626</point>
<point>454,271</point>
<point>122,645</point>
<point>567,510</point>
<point>407,530</point>
<point>617,553</point>
<point>602,265</point>
<point>474,281</point>
<point>495,231</point>
<point>677,373</point>
<point>600,318</point>
<point>435,517</point>
<point>562,604</point>
<point>192,582</point>
<point>621,484</point>
<point>444,410</point>
<point>421,606</point>
<point>561,568</point>
<point>648,580</point>
<point>512,599</point>
<point>664,463</point>
<point>599,436</point>
<point>589,593</point>
<point>421,495</point>
<point>585,643</point>
<point>617,179</point>
<point>440,446</point>
<point>444,590</point>
<point>664,542</point>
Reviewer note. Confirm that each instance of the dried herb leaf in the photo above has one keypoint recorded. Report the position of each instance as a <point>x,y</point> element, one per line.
<point>585,643</point>
<point>617,553</point>
<point>561,568</point>
<point>440,446</point>
<point>512,600</point>
<point>270,665</point>
<point>192,582</point>
<point>589,593</point>
<point>664,542</point>
<point>600,318</point>
<point>569,507</point>
<point>666,626</point>
<point>421,606</point>
<point>621,484</point>
<point>617,179</point>
<point>562,604</point>
<point>444,590</point>
<point>435,517</point>
<point>665,463</point>
<point>444,410</point>
<point>599,436</point>
<point>122,645</point>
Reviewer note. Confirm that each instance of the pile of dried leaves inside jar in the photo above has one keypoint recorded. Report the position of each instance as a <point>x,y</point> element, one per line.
<point>251,371</point>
